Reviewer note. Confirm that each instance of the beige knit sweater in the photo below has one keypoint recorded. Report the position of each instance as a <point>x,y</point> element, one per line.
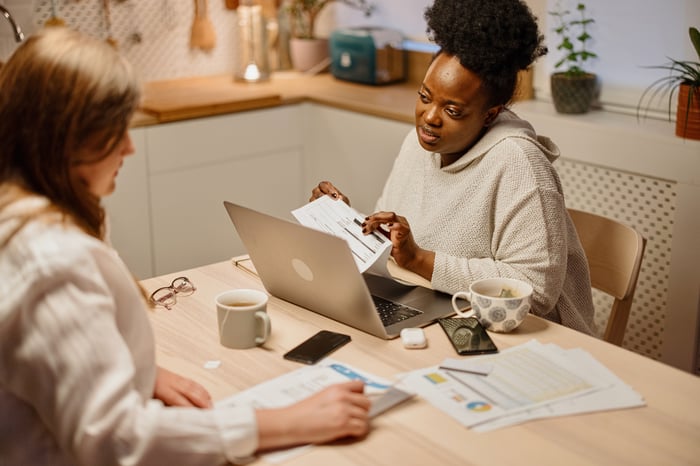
<point>497,211</point>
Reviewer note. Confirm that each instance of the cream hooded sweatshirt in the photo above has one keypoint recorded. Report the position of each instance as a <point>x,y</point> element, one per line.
<point>498,211</point>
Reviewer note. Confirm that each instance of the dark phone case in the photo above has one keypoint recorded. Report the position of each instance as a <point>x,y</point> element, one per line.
<point>467,336</point>
<point>317,347</point>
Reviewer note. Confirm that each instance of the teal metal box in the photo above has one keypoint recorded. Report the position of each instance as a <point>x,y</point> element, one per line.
<point>368,55</point>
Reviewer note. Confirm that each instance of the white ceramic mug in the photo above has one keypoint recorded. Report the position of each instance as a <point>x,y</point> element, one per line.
<point>242,317</point>
<point>500,304</point>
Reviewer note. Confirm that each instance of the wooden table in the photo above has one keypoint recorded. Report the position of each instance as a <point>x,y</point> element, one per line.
<point>665,432</point>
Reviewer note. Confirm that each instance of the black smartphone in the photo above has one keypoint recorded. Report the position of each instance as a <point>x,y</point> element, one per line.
<point>467,336</point>
<point>317,347</point>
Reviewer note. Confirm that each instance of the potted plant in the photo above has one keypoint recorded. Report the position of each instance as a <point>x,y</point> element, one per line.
<point>683,78</point>
<point>574,88</point>
<point>306,49</point>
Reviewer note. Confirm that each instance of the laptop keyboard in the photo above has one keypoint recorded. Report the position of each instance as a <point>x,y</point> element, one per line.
<point>391,312</point>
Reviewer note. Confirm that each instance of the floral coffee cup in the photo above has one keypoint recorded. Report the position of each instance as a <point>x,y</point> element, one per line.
<point>500,304</point>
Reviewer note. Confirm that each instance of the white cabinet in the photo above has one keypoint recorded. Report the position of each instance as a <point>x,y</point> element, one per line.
<point>129,211</point>
<point>352,150</point>
<point>252,158</point>
<point>167,212</point>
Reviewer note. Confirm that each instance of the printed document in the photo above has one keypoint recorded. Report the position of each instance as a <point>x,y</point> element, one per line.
<point>371,252</point>
<point>617,395</point>
<point>522,383</point>
<point>307,380</point>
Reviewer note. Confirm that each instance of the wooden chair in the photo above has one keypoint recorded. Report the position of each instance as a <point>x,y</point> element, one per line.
<point>614,252</point>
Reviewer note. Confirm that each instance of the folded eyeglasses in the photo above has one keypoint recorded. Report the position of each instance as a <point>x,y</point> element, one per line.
<point>166,295</point>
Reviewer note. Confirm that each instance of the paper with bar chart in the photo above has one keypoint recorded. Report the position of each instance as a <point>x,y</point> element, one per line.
<point>526,382</point>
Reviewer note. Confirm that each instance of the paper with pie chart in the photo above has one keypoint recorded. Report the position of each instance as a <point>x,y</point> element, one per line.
<point>522,380</point>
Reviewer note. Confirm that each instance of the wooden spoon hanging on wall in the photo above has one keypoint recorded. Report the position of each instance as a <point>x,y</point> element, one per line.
<point>203,35</point>
<point>108,22</point>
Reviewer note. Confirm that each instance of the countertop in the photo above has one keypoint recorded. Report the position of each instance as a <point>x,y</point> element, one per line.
<point>186,98</point>
<point>181,99</point>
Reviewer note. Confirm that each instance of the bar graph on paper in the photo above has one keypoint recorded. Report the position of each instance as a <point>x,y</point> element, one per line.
<point>524,378</point>
<point>339,219</point>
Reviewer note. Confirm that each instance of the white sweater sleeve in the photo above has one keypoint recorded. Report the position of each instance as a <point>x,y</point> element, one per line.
<point>65,355</point>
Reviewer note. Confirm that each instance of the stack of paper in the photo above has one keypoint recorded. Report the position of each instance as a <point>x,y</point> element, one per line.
<point>522,383</point>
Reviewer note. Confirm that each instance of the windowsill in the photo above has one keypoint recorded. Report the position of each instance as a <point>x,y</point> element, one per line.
<point>643,146</point>
<point>648,127</point>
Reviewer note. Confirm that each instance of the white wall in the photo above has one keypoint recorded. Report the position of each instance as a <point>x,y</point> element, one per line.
<point>404,15</point>
<point>627,35</point>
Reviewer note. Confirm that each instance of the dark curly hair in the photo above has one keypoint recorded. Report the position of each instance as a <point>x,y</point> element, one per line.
<point>492,38</point>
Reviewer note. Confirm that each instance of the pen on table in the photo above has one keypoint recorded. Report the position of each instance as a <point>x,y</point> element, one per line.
<point>477,369</point>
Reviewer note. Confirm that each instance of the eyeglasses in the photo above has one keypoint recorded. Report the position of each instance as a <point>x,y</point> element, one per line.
<point>166,296</point>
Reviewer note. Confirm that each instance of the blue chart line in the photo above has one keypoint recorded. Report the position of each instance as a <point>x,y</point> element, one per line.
<point>352,375</point>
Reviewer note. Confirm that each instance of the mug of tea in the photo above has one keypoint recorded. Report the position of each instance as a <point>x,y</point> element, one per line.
<point>242,317</point>
<point>500,304</point>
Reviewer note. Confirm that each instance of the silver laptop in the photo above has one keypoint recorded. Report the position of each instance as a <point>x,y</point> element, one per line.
<point>316,270</point>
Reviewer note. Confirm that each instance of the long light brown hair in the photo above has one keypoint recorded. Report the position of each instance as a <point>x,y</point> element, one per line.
<point>59,92</point>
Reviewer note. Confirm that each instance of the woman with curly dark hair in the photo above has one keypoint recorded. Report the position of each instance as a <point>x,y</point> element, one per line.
<point>475,195</point>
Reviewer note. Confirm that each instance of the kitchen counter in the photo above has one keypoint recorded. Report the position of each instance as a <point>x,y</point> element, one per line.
<point>186,98</point>
<point>141,118</point>
<point>181,99</point>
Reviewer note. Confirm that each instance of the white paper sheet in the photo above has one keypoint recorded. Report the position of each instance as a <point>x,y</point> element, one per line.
<point>617,395</point>
<point>529,381</point>
<point>371,252</point>
<point>307,380</point>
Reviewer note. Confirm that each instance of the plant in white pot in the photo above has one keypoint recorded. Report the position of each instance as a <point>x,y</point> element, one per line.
<point>683,78</point>
<point>574,88</point>
<point>308,50</point>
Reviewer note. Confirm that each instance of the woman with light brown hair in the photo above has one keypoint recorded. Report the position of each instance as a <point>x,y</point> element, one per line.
<point>78,378</point>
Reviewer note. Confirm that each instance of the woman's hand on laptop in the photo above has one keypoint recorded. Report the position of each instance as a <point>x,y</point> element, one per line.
<point>326,188</point>
<point>338,411</point>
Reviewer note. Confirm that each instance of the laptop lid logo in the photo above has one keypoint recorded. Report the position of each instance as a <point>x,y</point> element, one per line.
<point>303,270</point>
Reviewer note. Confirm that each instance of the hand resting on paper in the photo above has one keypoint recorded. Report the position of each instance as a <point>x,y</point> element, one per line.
<point>174,390</point>
<point>338,411</point>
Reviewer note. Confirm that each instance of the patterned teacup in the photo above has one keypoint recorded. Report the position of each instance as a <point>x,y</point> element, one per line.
<point>500,304</point>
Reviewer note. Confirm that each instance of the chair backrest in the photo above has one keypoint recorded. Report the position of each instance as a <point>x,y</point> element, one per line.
<point>614,252</point>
